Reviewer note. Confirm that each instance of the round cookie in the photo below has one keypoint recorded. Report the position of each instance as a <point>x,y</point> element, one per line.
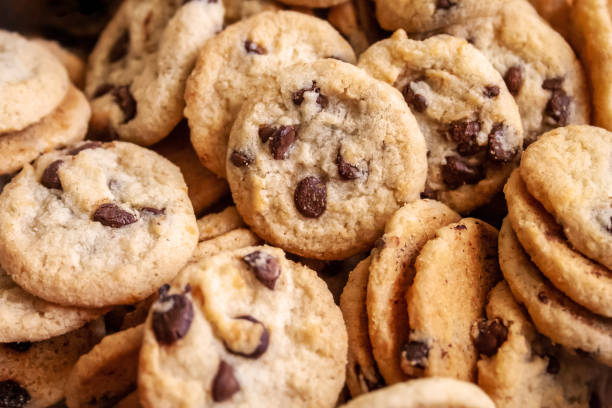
<point>244,60</point>
<point>522,369</point>
<point>453,275</point>
<point>584,281</point>
<point>425,393</point>
<point>238,238</point>
<point>246,328</point>
<point>568,173</point>
<point>96,225</point>
<point>32,82</point>
<point>138,69</point>
<point>65,125</point>
<point>319,162</point>
<point>469,119</point>
<point>552,313</point>
<point>539,67</point>
<point>212,225</point>
<point>392,272</point>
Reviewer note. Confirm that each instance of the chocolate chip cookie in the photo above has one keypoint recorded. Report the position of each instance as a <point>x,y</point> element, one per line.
<point>470,120</point>
<point>319,162</point>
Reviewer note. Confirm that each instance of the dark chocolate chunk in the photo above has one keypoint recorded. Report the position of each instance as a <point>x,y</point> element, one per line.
<point>457,172</point>
<point>553,83</point>
<point>491,335</point>
<point>50,178</point>
<point>266,267</point>
<point>111,215</point>
<point>514,79</point>
<point>13,395</point>
<point>416,101</point>
<point>298,96</point>
<point>445,4</point>
<point>254,48</point>
<point>416,353</point>
<point>491,91</point>
<point>498,145</point>
<point>264,340</point>
<point>310,197</point>
<point>558,106</point>
<point>282,140</point>
<point>120,47</point>
<point>241,159</point>
<point>266,132</point>
<point>125,100</point>
<point>225,384</point>
<point>172,316</point>
<point>346,170</point>
<point>464,133</point>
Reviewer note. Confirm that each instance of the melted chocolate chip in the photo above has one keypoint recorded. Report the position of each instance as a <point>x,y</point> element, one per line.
<point>557,107</point>
<point>254,48</point>
<point>464,133</point>
<point>172,316</point>
<point>491,91</point>
<point>498,145</point>
<point>554,366</point>
<point>125,100</point>
<point>120,48</point>
<point>225,384</point>
<point>50,178</point>
<point>111,215</point>
<point>310,197</point>
<point>491,335</point>
<point>445,4</point>
<point>346,170</point>
<point>102,90</point>
<point>240,159</point>
<point>12,395</point>
<point>416,354</point>
<point>154,211</point>
<point>264,340</point>
<point>542,297</point>
<point>457,172</point>
<point>266,132</point>
<point>298,96</point>
<point>282,140</point>
<point>85,146</point>
<point>553,83</point>
<point>416,101</point>
<point>514,79</point>
<point>20,347</point>
<point>266,267</point>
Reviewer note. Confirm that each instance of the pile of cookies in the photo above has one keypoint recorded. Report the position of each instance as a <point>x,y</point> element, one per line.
<point>296,204</point>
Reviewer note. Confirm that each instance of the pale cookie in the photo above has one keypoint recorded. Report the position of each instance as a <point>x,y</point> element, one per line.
<point>362,375</point>
<point>425,393</point>
<point>32,375</point>
<point>245,60</point>
<point>32,82</point>
<point>203,186</point>
<point>235,239</point>
<point>568,172</point>
<point>212,225</point>
<point>469,119</point>
<point>96,224</point>
<point>539,67</point>
<point>552,313</point>
<point>65,125</point>
<point>107,373</point>
<point>75,66</point>
<point>319,162</point>
<point>246,328</point>
<point>392,272</point>
<point>521,368</point>
<point>137,71</point>
<point>584,281</point>
<point>453,275</point>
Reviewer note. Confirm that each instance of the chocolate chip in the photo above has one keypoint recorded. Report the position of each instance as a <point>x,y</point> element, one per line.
<point>414,100</point>
<point>346,170</point>
<point>558,105</point>
<point>264,340</point>
<point>491,91</point>
<point>498,145</point>
<point>12,395</point>
<point>266,132</point>
<point>491,335</point>
<point>102,90</point>
<point>460,227</point>
<point>240,159</point>
<point>465,133</point>
<point>111,215</point>
<point>445,4</point>
<point>50,178</point>
<point>154,211</point>
<point>553,83</point>
<point>298,96</point>
<point>457,171</point>
<point>254,48</point>
<point>282,140</point>
<point>20,347</point>
<point>542,297</point>
<point>225,384</point>
<point>310,197</point>
<point>125,100</point>
<point>85,146</point>
<point>554,366</point>
<point>416,353</point>
<point>514,79</point>
<point>266,267</point>
<point>172,316</point>
<point>120,48</point>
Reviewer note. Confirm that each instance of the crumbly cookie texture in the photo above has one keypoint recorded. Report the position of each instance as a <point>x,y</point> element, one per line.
<point>137,71</point>
<point>391,274</point>
<point>248,56</point>
<point>319,162</point>
<point>539,67</point>
<point>244,328</point>
<point>584,281</point>
<point>470,120</point>
<point>96,224</point>
<point>32,82</point>
<point>553,314</point>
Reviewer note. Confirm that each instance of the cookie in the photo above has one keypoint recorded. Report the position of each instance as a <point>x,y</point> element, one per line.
<point>212,225</point>
<point>567,172</point>
<point>236,10</point>
<point>244,60</point>
<point>24,317</point>
<point>318,163</point>
<point>107,373</point>
<point>558,13</point>
<point>584,281</point>
<point>552,313</point>
<point>203,186</point>
<point>137,71</point>
<point>521,368</point>
<point>238,238</point>
<point>344,18</point>
<point>65,125</point>
<point>469,118</point>
<point>96,224</point>
<point>32,82</point>
<point>32,375</point>
<point>425,393</point>
<point>538,66</point>
<point>392,272</point>
<point>75,66</point>
<point>131,401</point>
<point>263,332</point>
